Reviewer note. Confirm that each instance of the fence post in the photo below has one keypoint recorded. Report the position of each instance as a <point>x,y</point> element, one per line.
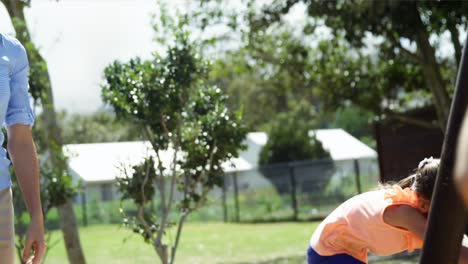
<point>236,197</point>
<point>357,174</point>
<point>84,213</point>
<point>223,188</point>
<point>292,178</point>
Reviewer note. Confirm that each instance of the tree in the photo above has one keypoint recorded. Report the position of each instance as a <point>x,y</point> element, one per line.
<point>267,68</point>
<point>95,127</point>
<point>355,121</point>
<point>405,29</point>
<point>267,75</point>
<point>89,128</point>
<point>382,85</point>
<point>41,90</point>
<point>178,113</point>
<point>273,70</point>
<point>289,139</point>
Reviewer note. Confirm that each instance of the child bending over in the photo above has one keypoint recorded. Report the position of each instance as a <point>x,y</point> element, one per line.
<point>386,221</point>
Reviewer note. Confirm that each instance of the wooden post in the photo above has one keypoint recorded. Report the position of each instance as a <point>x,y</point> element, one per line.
<point>292,178</point>
<point>447,216</point>
<point>357,174</point>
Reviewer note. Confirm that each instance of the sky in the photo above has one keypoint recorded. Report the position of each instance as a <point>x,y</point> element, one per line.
<point>78,38</point>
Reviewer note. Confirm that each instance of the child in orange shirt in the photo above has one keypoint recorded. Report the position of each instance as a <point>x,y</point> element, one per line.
<point>385,221</point>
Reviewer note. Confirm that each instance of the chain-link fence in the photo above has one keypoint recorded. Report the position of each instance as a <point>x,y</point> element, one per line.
<point>295,191</point>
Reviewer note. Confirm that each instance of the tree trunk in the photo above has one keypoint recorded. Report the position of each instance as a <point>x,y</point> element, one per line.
<point>432,74</point>
<point>161,250</point>
<point>54,142</point>
<point>69,229</point>
<point>452,27</point>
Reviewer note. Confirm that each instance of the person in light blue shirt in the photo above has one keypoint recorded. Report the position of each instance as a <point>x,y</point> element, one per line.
<point>16,115</point>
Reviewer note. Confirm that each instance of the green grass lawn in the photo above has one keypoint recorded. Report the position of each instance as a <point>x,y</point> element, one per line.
<point>200,243</point>
<point>207,242</point>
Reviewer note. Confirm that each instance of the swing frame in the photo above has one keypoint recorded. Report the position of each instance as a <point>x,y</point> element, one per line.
<point>447,217</point>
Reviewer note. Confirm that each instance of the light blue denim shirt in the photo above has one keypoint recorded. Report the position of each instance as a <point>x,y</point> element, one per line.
<point>15,107</point>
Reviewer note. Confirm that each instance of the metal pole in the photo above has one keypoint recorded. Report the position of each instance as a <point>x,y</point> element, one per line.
<point>357,174</point>
<point>236,197</point>
<point>447,216</point>
<point>84,212</point>
<point>378,139</point>
<point>292,178</point>
<point>224,199</point>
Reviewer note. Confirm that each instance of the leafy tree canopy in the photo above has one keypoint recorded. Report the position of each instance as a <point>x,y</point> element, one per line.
<point>410,32</point>
<point>290,139</point>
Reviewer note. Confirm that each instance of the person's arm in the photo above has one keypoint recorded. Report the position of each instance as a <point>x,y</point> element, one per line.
<point>23,156</point>
<point>411,219</point>
<point>461,162</point>
<point>406,217</point>
<point>18,120</point>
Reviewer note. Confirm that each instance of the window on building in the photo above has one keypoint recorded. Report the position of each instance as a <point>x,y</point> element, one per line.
<point>106,192</point>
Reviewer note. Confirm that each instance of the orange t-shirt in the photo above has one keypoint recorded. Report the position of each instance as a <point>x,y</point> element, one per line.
<point>357,226</point>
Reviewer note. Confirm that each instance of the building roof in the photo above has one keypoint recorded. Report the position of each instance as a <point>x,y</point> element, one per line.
<point>101,162</point>
<point>340,144</point>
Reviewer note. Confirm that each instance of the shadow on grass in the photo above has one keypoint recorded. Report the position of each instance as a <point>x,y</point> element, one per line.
<point>402,258</point>
<point>289,219</point>
<point>280,260</point>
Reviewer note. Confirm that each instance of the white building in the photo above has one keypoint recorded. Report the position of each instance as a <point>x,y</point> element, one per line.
<point>97,165</point>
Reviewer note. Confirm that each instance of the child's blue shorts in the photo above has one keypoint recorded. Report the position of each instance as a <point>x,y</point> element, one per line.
<point>314,258</point>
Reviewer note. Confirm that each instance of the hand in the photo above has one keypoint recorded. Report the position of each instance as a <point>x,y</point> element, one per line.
<point>35,241</point>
